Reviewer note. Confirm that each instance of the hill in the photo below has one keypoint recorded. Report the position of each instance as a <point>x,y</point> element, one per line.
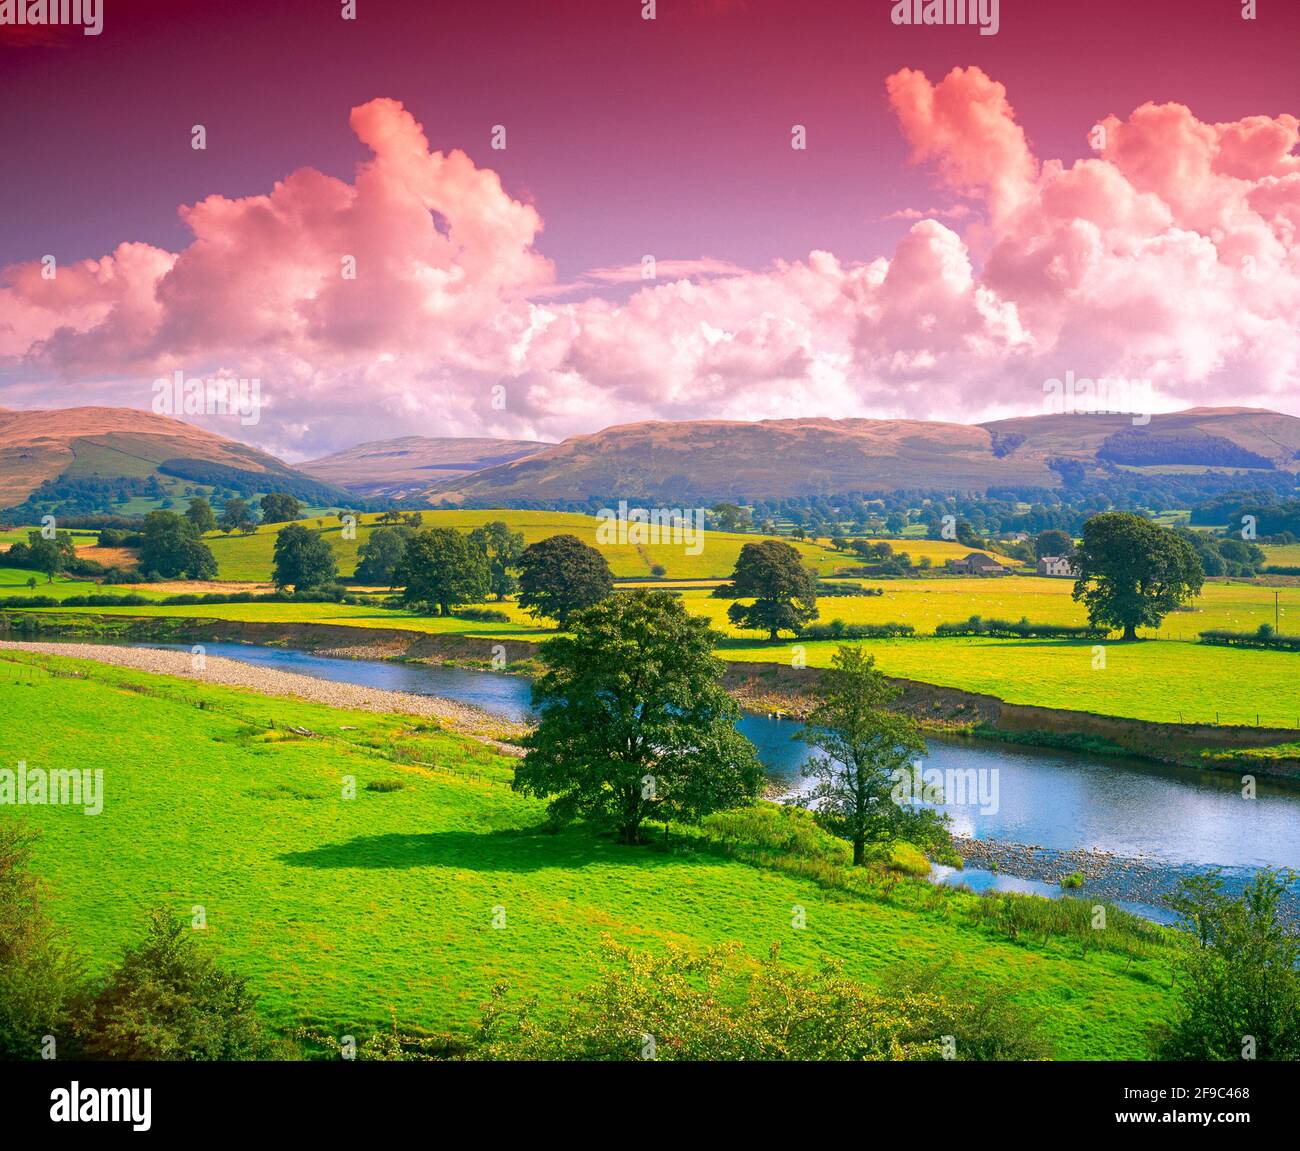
<point>82,460</point>
<point>704,461</point>
<point>405,467</point>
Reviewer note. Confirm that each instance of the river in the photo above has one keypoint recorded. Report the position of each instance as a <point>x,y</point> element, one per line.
<point>1140,826</point>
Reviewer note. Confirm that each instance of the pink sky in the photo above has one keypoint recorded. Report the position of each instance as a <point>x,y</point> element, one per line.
<point>948,240</point>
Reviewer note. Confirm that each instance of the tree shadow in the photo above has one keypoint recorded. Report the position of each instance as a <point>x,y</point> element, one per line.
<point>510,849</point>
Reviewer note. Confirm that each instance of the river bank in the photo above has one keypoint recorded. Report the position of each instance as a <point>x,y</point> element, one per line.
<point>760,688</point>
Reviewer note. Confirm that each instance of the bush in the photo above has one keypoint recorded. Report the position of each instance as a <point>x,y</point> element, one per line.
<point>1004,629</point>
<point>385,785</point>
<point>1265,638</point>
<point>838,629</point>
<point>482,615</point>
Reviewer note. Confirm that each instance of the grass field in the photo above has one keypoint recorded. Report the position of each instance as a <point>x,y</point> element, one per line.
<point>248,557</point>
<point>1283,555</point>
<point>1161,682</point>
<point>342,911</point>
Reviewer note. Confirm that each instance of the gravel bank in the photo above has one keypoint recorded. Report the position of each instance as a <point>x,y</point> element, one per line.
<point>231,673</point>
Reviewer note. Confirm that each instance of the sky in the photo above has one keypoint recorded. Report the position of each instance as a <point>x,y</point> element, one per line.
<point>537,219</point>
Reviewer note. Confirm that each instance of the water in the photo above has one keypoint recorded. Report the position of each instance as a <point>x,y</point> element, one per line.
<point>1170,821</point>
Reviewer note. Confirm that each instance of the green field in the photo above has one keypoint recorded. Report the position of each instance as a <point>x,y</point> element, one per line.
<point>349,911</point>
<point>248,557</point>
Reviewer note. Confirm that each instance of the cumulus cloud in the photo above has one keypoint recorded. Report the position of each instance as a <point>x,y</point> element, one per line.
<point>1169,254</point>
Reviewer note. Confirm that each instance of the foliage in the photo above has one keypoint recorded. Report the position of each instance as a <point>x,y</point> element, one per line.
<point>200,514</point>
<point>634,722</point>
<point>171,548</point>
<point>561,575</point>
<point>381,555</point>
<point>503,548</point>
<point>302,559</point>
<point>440,569</point>
<point>1132,573</point>
<point>784,592</point>
<point>1238,984</point>
<point>279,508</point>
<point>866,747</point>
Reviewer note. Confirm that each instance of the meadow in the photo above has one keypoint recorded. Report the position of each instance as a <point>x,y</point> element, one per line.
<point>350,912</point>
<point>249,557</point>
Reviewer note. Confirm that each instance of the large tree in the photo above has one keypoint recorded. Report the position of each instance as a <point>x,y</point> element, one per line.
<point>865,746</point>
<point>503,548</point>
<point>302,559</point>
<point>1132,572</point>
<point>279,508</point>
<point>172,548</point>
<point>380,556</point>
<point>1053,542</point>
<point>441,569</point>
<point>634,721</point>
<point>561,575</point>
<point>783,590</point>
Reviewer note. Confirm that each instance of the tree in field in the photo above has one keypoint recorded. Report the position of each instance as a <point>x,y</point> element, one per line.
<point>200,514</point>
<point>167,1000</point>
<point>865,745</point>
<point>237,516</point>
<point>1238,984</point>
<point>302,559</point>
<point>634,722</point>
<point>730,517</point>
<point>503,549</point>
<point>38,971</point>
<point>1053,543</point>
<point>1132,573</point>
<point>172,549</point>
<point>561,575</point>
<point>380,556</point>
<point>441,569</point>
<point>279,508</point>
<point>50,556</point>
<point>783,590</point>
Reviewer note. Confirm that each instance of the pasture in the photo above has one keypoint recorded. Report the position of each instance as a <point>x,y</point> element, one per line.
<point>349,912</point>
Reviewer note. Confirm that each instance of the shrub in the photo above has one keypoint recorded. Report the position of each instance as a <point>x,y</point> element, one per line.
<point>1260,639</point>
<point>385,785</point>
<point>482,615</point>
<point>838,629</point>
<point>1023,629</point>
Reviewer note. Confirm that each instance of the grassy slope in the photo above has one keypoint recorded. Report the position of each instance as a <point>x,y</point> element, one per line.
<point>344,910</point>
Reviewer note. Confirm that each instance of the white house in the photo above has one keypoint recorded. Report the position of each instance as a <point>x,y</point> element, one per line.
<point>1060,566</point>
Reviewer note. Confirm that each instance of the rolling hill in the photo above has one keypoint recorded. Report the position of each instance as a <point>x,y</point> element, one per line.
<point>405,467</point>
<point>771,459</point>
<point>57,456</point>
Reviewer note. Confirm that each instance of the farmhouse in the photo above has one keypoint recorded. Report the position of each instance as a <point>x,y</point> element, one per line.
<point>977,563</point>
<point>1060,566</point>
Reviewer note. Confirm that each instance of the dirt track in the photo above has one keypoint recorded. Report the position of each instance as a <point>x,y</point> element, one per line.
<point>231,673</point>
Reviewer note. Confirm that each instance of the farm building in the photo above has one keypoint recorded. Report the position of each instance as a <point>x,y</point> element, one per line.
<point>977,563</point>
<point>1060,566</point>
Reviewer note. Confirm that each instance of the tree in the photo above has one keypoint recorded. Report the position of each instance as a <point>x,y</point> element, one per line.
<point>730,517</point>
<point>236,515</point>
<point>441,569</point>
<point>38,971</point>
<point>381,555</point>
<point>1132,572</point>
<point>50,556</point>
<point>783,590</point>
<point>561,575</point>
<point>302,559</point>
<point>167,1000</point>
<point>634,720</point>
<point>171,548</point>
<point>866,746</point>
<point>1238,984</point>
<point>1053,543</point>
<point>200,514</point>
<point>279,508</point>
<point>503,549</point>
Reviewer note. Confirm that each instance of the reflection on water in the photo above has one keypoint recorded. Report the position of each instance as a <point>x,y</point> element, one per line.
<point>1171,820</point>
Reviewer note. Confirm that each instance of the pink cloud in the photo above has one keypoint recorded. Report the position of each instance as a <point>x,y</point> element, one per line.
<point>1169,254</point>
